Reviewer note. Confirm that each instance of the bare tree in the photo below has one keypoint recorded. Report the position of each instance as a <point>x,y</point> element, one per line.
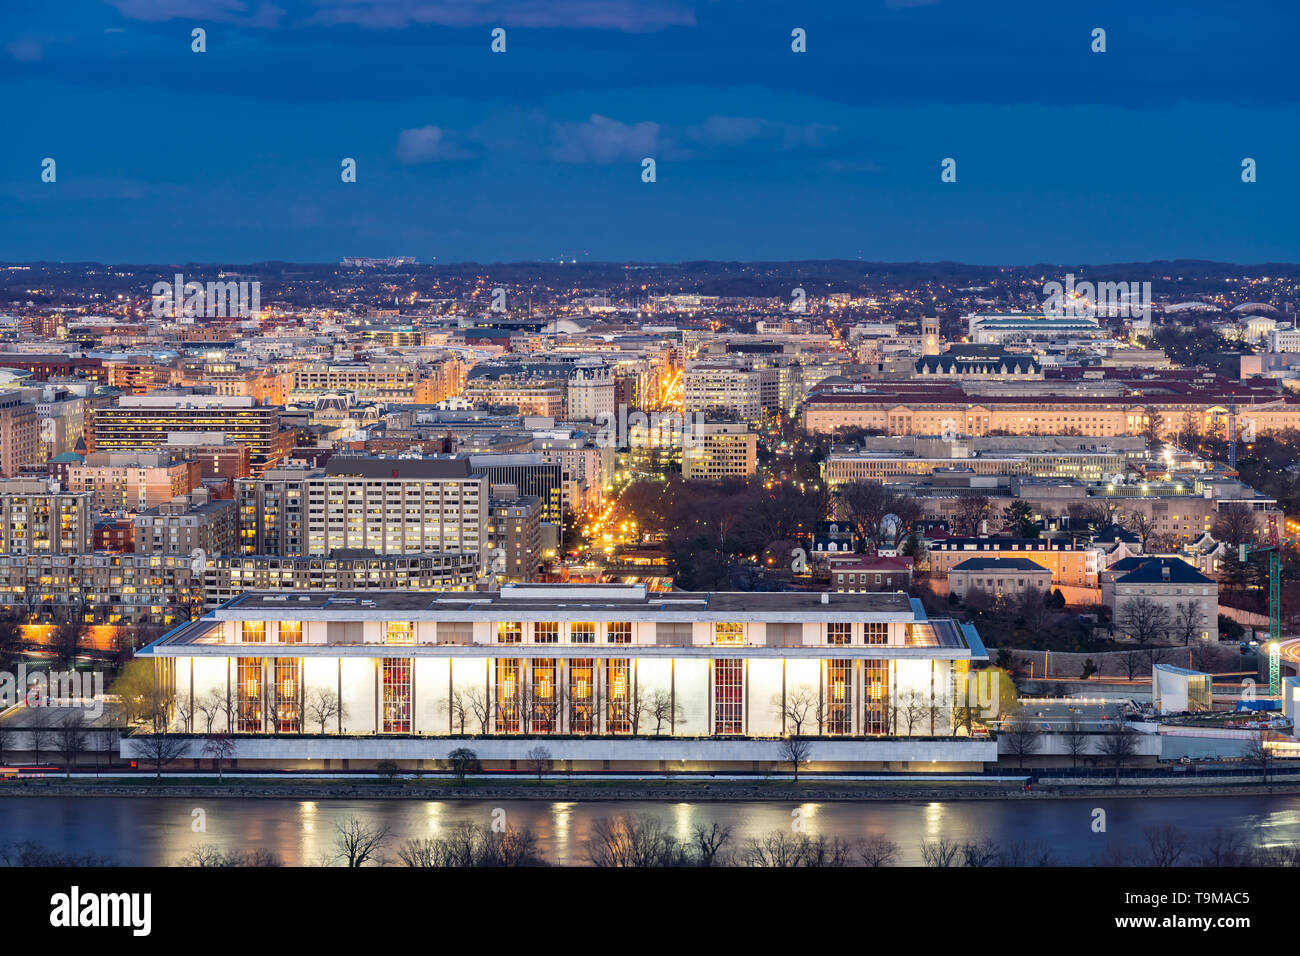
<point>708,842</point>
<point>1076,740</point>
<point>40,739</point>
<point>913,709</point>
<point>1258,754</point>
<point>970,515</point>
<point>1187,620</point>
<point>459,710</point>
<point>1234,524</point>
<point>799,706</point>
<point>940,853</point>
<point>1143,619</point>
<point>539,762</point>
<point>185,712</point>
<point>67,642</point>
<point>633,842</point>
<point>220,747</point>
<point>480,705</point>
<point>462,760</point>
<point>1023,739</point>
<point>795,751</point>
<point>357,843</point>
<point>160,749</point>
<point>1166,844</point>
<point>664,710</point>
<point>210,706</point>
<point>876,850</point>
<point>322,706</point>
<point>72,736</point>
<point>1118,745</point>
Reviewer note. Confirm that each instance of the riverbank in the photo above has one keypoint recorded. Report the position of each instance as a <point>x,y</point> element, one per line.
<point>651,790</point>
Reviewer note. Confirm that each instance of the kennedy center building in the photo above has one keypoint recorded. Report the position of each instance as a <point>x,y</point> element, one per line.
<point>604,677</point>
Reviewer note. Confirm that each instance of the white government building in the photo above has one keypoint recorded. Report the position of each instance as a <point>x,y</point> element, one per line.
<point>602,676</point>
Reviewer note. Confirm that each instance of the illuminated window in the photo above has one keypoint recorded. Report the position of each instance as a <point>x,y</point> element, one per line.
<point>837,633</point>
<point>286,714</point>
<point>545,697</point>
<point>618,684</point>
<point>582,677</point>
<point>397,695</point>
<point>546,632</point>
<point>839,697</point>
<point>399,632</point>
<point>252,632</point>
<point>875,685</point>
<point>875,632</point>
<point>618,632</point>
<point>248,692</point>
<point>582,632</point>
<point>728,695</point>
<point>510,632</point>
<point>728,633</point>
<point>508,695</point>
<point>291,632</point>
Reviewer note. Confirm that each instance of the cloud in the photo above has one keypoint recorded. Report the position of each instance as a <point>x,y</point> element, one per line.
<point>604,140</point>
<point>214,11</point>
<point>25,50</point>
<point>628,16</point>
<point>430,144</point>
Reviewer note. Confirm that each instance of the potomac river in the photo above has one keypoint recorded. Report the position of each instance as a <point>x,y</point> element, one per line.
<point>159,831</point>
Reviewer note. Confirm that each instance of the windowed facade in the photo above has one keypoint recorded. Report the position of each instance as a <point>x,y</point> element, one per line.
<point>546,632</point>
<point>510,632</point>
<point>618,692</point>
<point>875,694</point>
<point>582,632</point>
<point>252,632</point>
<point>507,695</point>
<point>839,697</point>
<point>619,632</point>
<point>248,694</point>
<point>399,632</point>
<point>728,696</point>
<point>545,697</point>
<point>582,689</point>
<point>291,632</point>
<point>397,695</point>
<point>288,681</point>
<point>728,633</point>
<point>839,633</point>
<point>875,632</point>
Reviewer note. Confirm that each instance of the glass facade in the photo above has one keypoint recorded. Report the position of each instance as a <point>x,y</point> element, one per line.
<point>397,695</point>
<point>728,696</point>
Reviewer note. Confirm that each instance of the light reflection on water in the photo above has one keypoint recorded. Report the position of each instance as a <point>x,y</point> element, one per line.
<point>157,831</point>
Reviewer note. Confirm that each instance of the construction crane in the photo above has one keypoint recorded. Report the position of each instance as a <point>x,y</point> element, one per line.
<point>1274,551</point>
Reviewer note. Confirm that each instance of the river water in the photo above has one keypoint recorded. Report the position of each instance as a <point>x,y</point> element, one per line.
<point>149,831</point>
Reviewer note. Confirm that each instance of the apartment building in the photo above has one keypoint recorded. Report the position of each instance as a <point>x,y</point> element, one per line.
<point>36,517</point>
<point>718,450</point>
<point>186,525</point>
<point>515,537</point>
<point>387,505</point>
<point>134,481</point>
<point>226,577</point>
<point>146,421</point>
<point>19,436</point>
